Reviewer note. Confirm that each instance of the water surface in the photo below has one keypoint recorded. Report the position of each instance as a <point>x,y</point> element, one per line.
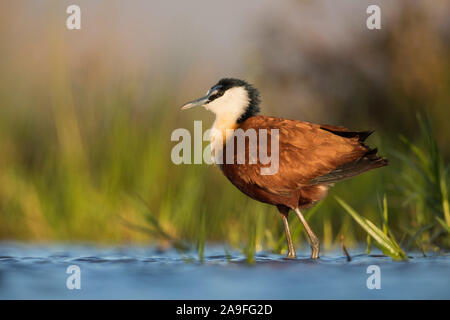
<point>39,272</point>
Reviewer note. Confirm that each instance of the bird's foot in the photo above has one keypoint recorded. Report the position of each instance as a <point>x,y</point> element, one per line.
<point>291,255</point>
<point>315,248</point>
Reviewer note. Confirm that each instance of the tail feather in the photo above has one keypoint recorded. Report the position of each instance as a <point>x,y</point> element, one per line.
<point>369,161</point>
<point>345,133</point>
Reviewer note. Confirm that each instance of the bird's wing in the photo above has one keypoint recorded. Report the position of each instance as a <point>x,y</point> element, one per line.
<point>306,152</point>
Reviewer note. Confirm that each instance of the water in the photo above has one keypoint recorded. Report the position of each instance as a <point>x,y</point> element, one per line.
<point>39,272</point>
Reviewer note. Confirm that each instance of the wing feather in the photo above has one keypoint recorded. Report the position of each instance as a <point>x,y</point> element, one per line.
<point>306,151</point>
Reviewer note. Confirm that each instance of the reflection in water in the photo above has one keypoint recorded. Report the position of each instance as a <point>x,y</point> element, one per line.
<point>147,273</point>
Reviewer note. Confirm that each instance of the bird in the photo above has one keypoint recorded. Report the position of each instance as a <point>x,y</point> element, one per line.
<point>311,157</point>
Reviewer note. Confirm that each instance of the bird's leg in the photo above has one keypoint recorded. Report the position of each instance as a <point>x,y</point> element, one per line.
<point>313,240</point>
<point>291,250</point>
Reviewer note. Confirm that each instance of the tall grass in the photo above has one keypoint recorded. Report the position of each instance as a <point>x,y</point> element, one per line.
<point>116,183</point>
<point>423,184</point>
<point>89,160</point>
<point>384,238</point>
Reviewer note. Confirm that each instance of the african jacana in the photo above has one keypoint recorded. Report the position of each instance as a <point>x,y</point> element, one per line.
<point>311,156</point>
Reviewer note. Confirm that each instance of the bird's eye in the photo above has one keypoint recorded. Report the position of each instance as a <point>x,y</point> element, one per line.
<point>215,95</point>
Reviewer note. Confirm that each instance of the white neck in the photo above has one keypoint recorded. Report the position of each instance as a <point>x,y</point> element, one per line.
<point>228,108</point>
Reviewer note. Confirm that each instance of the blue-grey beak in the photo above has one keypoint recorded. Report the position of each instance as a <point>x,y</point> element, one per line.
<point>196,103</point>
<point>201,101</point>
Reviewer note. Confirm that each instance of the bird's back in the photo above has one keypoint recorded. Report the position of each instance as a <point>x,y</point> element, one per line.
<point>311,157</point>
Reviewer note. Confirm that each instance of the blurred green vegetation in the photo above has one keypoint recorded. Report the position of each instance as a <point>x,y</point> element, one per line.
<point>85,153</point>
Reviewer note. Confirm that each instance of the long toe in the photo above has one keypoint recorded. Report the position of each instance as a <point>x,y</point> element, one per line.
<point>315,253</point>
<point>291,255</point>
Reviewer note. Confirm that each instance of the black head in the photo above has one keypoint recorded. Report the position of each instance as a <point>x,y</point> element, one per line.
<point>230,96</point>
<point>253,95</point>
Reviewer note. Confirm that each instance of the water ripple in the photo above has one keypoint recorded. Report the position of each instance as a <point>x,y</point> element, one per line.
<point>39,271</point>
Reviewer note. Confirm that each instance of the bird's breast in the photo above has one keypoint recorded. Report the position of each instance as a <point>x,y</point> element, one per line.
<point>221,131</point>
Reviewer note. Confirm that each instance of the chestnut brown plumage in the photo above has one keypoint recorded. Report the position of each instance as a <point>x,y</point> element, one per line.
<point>311,157</point>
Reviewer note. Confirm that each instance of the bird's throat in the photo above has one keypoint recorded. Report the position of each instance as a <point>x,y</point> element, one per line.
<point>222,129</point>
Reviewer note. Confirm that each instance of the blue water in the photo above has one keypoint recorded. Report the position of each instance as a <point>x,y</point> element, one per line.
<point>39,272</point>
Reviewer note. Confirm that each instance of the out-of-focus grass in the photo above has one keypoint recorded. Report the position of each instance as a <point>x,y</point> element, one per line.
<point>77,174</point>
<point>100,171</point>
<point>85,156</point>
<point>423,184</point>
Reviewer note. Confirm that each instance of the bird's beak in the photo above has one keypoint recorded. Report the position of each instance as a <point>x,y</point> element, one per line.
<point>201,101</point>
<point>196,103</point>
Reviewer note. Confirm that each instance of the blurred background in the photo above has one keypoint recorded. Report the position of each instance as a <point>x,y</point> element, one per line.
<point>86,116</point>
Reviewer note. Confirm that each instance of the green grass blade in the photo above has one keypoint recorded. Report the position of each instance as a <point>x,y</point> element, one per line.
<point>387,245</point>
<point>385,215</point>
<point>445,203</point>
<point>443,224</point>
<point>416,235</point>
<point>201,239</point>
